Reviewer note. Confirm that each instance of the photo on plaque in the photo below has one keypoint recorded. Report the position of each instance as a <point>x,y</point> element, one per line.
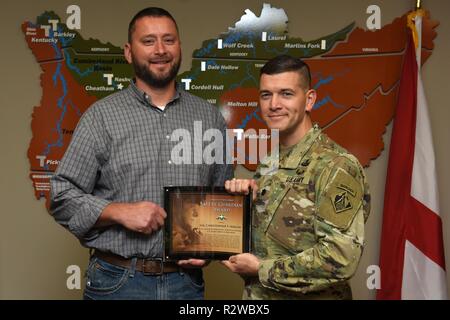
<point>206,223</point>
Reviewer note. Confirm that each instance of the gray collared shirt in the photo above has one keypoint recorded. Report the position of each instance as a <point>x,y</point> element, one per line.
<point>121,152</point>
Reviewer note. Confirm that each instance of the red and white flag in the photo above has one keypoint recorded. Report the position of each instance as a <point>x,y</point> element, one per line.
<point>412,259</point>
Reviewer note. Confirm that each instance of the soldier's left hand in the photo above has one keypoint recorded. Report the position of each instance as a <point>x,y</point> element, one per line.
<point>244,264</point>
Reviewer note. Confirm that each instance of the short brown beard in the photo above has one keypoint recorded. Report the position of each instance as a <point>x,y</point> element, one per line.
<point>146,75</point>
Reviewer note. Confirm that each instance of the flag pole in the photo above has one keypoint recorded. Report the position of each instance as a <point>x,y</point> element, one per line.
<point>418,29</point>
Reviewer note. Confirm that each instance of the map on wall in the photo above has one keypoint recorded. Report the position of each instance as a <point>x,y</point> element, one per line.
<point>355,72</point>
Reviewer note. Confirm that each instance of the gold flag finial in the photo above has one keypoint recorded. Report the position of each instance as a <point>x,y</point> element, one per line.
<point>411,21</point>
<point>418,4</point>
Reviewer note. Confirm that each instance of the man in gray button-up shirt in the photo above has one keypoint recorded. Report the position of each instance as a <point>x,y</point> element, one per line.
<point>108,189</point>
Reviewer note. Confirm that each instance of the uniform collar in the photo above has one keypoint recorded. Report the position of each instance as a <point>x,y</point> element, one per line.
<point>295,156</point>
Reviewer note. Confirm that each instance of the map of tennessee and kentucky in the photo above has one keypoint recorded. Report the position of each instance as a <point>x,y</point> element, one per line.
<point>355,71</point>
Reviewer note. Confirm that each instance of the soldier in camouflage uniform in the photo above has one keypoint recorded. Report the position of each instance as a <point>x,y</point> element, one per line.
<point>308,214</point>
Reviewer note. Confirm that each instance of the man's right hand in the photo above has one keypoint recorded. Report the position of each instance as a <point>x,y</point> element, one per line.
<point>143,217</point>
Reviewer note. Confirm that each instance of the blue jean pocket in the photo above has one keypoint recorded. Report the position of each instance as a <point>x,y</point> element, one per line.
<point>186,285</point>
<point>195,278</point>
<point>103,278</point>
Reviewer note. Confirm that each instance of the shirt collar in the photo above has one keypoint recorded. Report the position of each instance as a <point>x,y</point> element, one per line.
<point>146,99</point>
<point>295,156</point>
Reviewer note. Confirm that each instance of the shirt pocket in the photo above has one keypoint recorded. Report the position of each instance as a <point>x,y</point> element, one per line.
<point>292,224</point>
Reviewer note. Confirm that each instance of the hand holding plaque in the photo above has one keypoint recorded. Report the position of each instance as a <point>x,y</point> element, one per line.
<point>206,223</point>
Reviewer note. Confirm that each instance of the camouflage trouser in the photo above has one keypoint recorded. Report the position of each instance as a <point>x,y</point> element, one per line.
<point>255,291</point>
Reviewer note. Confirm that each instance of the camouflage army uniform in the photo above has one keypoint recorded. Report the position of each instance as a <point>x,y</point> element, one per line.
<point>308,222</point>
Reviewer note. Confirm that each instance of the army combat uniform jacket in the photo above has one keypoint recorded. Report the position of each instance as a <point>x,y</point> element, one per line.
<point>308,221</point>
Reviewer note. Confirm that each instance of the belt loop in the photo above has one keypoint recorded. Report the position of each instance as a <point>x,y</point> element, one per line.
<point>133,267</point>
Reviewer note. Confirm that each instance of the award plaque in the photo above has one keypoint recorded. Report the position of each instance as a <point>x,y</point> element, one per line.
<point>206,223</point>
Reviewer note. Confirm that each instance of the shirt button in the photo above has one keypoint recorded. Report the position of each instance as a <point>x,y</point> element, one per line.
<point>167,137</point>
<point>169,162</point>
<point>164,115</point>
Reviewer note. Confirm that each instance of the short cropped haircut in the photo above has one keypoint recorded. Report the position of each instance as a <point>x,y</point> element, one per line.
<point>286,63</point>
<point>148,12</point>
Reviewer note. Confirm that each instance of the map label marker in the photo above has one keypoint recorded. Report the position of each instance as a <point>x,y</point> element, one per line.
<point>109,77</point>
<point>187,84</point>
<point>46,30</point>
<point>54,23</point>
<point>41,160</point>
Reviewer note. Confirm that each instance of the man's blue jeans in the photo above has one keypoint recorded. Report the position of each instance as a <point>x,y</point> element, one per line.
<point>105,281</point>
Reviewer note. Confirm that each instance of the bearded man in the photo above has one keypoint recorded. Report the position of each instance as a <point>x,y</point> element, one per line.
<point>108,188</point>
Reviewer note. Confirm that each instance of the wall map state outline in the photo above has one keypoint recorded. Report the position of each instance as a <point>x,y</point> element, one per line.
<point>356,73</point>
